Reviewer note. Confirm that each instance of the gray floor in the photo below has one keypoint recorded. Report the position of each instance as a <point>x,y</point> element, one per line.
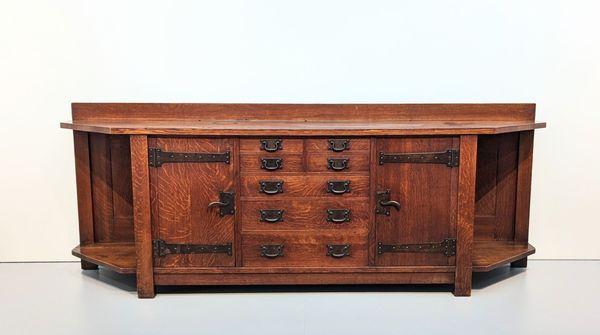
<point>550,297</point>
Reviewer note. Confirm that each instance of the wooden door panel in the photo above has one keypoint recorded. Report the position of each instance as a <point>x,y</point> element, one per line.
<point>183,192</point>
<point>427,196</point>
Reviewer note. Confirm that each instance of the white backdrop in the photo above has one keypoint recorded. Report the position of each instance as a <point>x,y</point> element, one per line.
<point>56,52</point>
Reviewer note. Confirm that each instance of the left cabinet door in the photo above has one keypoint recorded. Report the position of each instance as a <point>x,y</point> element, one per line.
<point>186,175</point>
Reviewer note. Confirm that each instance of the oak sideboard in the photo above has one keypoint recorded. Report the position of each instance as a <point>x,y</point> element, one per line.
<point>265,194</point>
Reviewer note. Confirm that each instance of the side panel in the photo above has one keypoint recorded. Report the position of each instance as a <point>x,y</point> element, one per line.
<point>496,186</point>
<point>427,196</point>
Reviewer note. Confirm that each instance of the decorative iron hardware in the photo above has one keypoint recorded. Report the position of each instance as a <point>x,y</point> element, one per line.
<point>338,145</point>
<point>271,215</point>
<point>226,203</point>
<point>271,250</point>
<point>383,202</point>
<point>338,215</point>
<point>271,163</point>
<point>337,164</point>
<point>449,157</point>
<point>161,248</point>
<point>271,144</point>
<point>157,157</point>
<point>446,247</point>
<point>338,250</point>
<point>270,186</point>
<point>338,186</point>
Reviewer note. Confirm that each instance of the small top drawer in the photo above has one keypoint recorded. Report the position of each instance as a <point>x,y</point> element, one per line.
<point>271,144</point>
<point>325,145</point>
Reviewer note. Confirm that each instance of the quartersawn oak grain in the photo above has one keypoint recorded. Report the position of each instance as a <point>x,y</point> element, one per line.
<point>484,202</point>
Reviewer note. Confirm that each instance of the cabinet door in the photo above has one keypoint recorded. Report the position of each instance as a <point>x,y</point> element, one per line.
<point>425,188</point>
<point>187,231</point>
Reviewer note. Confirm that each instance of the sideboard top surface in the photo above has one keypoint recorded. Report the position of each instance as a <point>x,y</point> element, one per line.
<point>302,119</point>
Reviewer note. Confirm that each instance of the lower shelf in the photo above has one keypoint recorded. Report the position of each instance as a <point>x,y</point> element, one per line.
<point>119,257</point>
<point>489,255</point>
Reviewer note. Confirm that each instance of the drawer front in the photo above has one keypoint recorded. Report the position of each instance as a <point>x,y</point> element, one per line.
<point>264,185</point>
<point>272,145</point>
<point>270,162</point>
<point>341,163</point>
<point>281,249</point>
<point>305,214</point>
<point>341,145</point>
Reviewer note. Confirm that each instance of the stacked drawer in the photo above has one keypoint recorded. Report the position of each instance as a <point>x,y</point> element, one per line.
<point>305,202</point>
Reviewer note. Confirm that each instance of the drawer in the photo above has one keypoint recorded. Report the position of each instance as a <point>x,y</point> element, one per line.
<point>328,249</point>
<point>337,162</point>
<point>325,145</point>
<point>305,214</point>
<point>314,185</point>
<point>272,144</point>
<point>271,162</point>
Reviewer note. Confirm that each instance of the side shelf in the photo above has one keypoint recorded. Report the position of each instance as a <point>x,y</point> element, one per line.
<point>119,257</point>
<point>489,255</point>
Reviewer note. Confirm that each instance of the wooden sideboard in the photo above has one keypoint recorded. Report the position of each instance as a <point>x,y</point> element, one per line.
<point>245,194</point>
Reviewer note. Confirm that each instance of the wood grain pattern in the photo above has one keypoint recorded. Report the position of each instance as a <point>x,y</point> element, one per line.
<point>485,199</point>
<point>489,255</point>
<point>120,161</point>
<point>84,192</point>
<point>288,145</point>
<point>308,185</point>
<point>321,145</point>
<point>119,257</point>
<point>304,248</point>
<point>305,214</point>
<point>304,279</point>
<point>101,186</point>
<point>356,162</point>
<point>523,191</point>
<point>141,215</point>
<point>496,187</point>
<point>466,215</point>
<point>184,191</point>
<point>303,112</point>
<point>84,187</point>
<point>420,219</point>
<point>251,162</point>
<point>288,128</point>
<point>310,269</point>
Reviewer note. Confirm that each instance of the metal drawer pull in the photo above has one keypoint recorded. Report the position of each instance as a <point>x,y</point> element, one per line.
<point>271,163</point>
<point>271,250</point>
<point>338,186</point>
<point>338,215</point>
<point>338,145</point>
<point>337,164</point>
<point>271,215</point>
<point>271,144</point>
<point>338,250</point>
<point>270,186</point>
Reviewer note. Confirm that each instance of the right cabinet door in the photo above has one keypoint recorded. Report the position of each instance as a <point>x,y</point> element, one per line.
<point>416,185</point>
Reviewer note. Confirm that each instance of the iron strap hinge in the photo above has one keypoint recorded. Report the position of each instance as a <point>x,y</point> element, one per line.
<point>157,157</point>
<point>448,157</point>
<point>446,247</point>
<point>161,248</point>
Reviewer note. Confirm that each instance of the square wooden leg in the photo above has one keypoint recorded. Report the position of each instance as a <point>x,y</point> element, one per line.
<point>521,263</point>
<point>85,265</point>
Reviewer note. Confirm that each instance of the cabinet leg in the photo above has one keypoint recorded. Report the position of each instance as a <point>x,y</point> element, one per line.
<point>85,265</point>
<point>145,291</point>
<point>521,263</point>
<point>463,288</point>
